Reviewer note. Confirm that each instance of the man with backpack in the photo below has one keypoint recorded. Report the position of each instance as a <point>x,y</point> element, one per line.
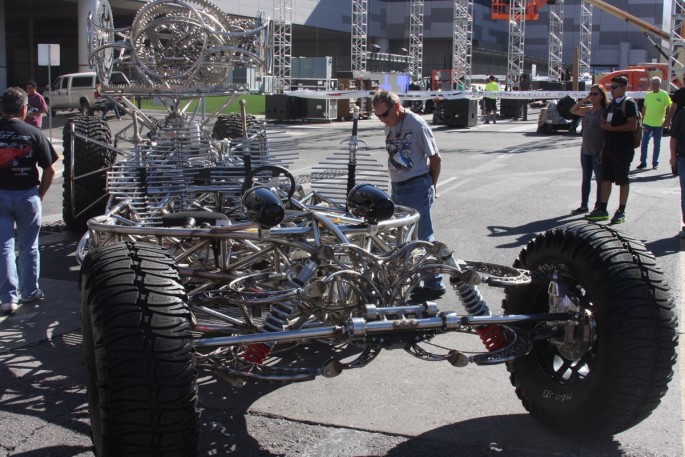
<point>619,124</point>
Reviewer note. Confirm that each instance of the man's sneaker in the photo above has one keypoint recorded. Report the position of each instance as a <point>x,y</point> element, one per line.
<point>426,294</point>
<point>619,217</point>
<point>655,167</point>
<point>581,210</point>
<point>9,307</point>
<point>37,295</point>
<point>598,215</point>
<point>642,166</point>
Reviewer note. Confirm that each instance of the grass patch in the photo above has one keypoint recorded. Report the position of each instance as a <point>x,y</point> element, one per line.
<point>255,104</point>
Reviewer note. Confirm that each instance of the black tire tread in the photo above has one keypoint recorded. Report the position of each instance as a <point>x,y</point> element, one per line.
<point>230,127</point>
<point>88,157</point>
<point>136,318</point>
<point>636,325</point>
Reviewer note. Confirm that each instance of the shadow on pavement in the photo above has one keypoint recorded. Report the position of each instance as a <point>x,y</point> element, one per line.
<point>665,246</point>
<point>511,436</point>
<point>526,232</point>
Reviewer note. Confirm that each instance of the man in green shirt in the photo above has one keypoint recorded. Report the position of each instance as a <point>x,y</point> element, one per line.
<point>656,105</point>
<point>490,103</point>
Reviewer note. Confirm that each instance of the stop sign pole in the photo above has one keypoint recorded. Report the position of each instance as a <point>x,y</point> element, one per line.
<point>48,55</point>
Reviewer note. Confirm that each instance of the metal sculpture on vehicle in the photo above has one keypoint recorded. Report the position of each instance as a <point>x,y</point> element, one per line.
<point>207,257</point>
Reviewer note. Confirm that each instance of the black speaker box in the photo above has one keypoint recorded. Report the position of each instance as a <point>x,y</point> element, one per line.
<point>460,113</point>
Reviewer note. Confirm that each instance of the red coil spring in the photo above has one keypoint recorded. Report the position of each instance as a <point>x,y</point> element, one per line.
<point>492,337</point>
<point>255,353</point>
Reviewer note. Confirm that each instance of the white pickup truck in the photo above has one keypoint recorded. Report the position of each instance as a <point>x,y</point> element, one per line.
<point>78,91</point>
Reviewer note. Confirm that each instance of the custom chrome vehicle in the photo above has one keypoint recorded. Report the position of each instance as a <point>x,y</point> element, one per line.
<point>207,259</point>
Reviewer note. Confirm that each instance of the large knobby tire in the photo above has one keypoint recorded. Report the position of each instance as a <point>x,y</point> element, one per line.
<point>141,377</point>
<point>620,379</point>
<point>89,194</point>
<point>230,127</point>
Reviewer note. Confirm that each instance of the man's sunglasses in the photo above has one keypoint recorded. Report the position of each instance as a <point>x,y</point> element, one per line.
<point>384,115</point>
<point>614,86</point>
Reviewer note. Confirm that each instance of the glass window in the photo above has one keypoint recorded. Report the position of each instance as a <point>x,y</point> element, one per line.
<point>82,81</point>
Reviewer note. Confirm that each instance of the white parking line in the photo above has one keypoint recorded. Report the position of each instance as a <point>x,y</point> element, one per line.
<point>451,188</point>
<point>445,181</point>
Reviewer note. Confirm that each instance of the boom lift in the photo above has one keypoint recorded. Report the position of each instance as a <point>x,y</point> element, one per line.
<point>505,9</point>
<point>499,9</point>
<point>676,56</point>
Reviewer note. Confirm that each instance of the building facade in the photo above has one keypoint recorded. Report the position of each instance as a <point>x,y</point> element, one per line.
<point>322,28</point>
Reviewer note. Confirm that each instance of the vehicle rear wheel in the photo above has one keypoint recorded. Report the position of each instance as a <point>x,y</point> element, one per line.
<point>85,108</point>
<point>141,378</point>
<point>615,379</point>
<point>231,127</point>
<point>88,195</point>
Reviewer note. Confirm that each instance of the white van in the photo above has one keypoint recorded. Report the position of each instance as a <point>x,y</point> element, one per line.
<point>78,91</point>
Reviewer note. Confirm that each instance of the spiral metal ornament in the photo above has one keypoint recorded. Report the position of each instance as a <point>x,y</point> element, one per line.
<point>101,34</point>
<point>169,39</point>
<point>174,46</point>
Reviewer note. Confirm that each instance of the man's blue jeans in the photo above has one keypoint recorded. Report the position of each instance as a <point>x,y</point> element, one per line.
<point>680,163</point>
<point>419,194</point>
<point>648,133</point>
<point>19,274</point>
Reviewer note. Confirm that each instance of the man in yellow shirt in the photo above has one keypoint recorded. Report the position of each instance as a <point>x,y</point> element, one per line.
<point>490,103</point>
<point>656,105</point>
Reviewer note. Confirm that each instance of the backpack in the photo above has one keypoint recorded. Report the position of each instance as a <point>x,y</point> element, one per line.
<point>564,107</point>
<point>637,133</point>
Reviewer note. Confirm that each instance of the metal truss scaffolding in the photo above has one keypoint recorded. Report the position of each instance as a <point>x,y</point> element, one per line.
<point>556,40</point>
<point>517,31</point>
<point>677,42</point>
<point>359,34</point>
<point>282,44</point>
<point>416,39</point>
<point>462,40</point>
<point>585,48</point>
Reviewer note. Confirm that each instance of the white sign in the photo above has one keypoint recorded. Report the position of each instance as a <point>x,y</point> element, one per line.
<point>48,55</point>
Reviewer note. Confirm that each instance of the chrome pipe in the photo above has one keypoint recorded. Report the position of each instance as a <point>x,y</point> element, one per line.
<point>515,318</point>
<point>270,337</point>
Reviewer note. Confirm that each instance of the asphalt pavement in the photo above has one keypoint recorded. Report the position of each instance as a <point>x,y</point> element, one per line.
<point>500,185</point>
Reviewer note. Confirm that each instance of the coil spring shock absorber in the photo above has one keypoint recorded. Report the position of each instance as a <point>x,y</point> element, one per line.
<point>280,314</point>
<point>491,335</point>
<point>276,320</point>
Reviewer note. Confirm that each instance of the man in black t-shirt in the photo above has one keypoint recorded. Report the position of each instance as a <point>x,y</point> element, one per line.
<point>678,160</point>
<point>22,149</point>
<point>678,99</point>
<point>618,150</point>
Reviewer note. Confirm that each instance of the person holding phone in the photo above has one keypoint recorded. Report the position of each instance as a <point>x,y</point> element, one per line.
<point>591,110</point>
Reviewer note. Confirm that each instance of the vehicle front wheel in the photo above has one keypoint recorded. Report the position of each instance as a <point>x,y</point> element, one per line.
<point>85,108</point>
<point>140,373</point>
<point>616,376</point>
